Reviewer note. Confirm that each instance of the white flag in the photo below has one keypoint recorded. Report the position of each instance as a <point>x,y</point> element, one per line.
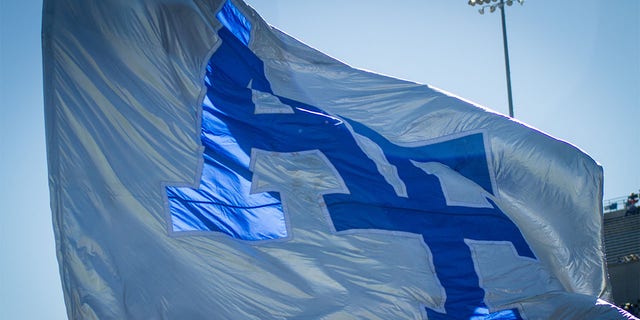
<point>204,165</point>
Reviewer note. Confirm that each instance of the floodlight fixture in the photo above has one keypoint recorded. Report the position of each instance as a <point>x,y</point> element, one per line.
<point>492,7</point>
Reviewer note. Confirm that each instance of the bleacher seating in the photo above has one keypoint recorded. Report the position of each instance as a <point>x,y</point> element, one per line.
<point>621,236</point>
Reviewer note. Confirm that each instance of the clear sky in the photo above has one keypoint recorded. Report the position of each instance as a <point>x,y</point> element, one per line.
<point>575,71</point>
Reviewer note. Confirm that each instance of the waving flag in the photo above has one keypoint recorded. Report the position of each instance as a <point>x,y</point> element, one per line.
<point>204,165</point>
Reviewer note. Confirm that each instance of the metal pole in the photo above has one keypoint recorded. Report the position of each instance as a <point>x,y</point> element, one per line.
<point>506,58</point>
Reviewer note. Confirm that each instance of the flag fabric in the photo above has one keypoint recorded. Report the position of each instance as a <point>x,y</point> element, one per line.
<point>204,165</point>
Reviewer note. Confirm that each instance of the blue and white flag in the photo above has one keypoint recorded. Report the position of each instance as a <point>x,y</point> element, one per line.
<point>204,165</point>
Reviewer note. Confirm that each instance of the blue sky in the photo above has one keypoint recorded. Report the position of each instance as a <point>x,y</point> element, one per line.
<point>575,71</point>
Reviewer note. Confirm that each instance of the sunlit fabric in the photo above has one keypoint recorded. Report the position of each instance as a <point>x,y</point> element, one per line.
<point>206,165</point>
<point>482,313</point>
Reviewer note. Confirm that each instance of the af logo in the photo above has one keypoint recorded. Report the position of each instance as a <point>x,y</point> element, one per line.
<point>263,150</point>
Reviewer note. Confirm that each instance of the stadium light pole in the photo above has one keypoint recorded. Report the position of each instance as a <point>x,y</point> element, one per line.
<point>492,7</point>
